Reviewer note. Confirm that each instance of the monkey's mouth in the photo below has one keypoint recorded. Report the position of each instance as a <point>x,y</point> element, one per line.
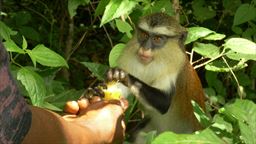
<point>145,59</point>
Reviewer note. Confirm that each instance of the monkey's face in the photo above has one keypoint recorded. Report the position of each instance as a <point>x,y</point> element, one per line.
<point>153,33</point>
<point>148,43</point>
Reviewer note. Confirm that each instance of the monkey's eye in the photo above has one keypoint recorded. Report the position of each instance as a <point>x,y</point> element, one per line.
<point>144,35</point>
<point>157,39</point>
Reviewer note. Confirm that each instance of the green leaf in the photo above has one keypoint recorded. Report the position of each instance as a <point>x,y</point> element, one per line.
<point>215,36</point>
<point>238,56</point>
<point>114,54</point>
<point>34,85</point>
<point>101,7</point>
<point>213,81</point>
<point>124,27</point>
<point>73,4</point>
<point>200,115</point>
<point>204,137</point>
<point>244,112</point>
<point>243,79</point>
<point>51,107</point>
<point>241,45</point>
<point>207,50</point>
<point>29,33</point>
<point>220,66</point>
<point>97,70</point>
<point>194,33</point>
<point>12,47</point>
<point>22,18</point>
<point>60,99</point>
<point>237,30</point>
<point>202,11</point>
<point>24,43</point>
<point>161,6</point>
<point>244,13</point>
<point>32,57</point>
<point>47,57</point>
<point>209,92</point>
<point>231,6</point>
<point>117,8</point>
<point>6,32</point>
<point>220,123</point>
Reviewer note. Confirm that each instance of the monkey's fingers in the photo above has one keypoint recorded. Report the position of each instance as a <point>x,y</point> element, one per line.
<point>96,91</point>
<point>116,74</point>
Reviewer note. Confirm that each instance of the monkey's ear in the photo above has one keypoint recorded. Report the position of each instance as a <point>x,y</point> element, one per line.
<point>183,36</point>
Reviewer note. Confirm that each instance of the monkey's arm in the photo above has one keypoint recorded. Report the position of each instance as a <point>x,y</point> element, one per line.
<point>158,99</point>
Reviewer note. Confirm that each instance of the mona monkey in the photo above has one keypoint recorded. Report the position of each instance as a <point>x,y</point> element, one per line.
<point>155,68</point>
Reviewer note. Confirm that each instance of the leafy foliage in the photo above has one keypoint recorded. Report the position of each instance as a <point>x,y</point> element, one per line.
<point>59,48</point>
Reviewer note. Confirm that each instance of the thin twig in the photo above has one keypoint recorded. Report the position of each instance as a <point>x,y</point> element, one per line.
<point>233,74</point>
<point>77,45</point>
<point>186,17</point>
<point>197,61</point>
<point>109,39</point>
<point>39,14</point>
<point>203,64</point>
<point>108,36</point>
<point>191,56</point>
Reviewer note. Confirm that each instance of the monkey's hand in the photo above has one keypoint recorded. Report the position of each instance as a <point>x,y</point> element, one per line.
<point>95,91</point>
<point>116,74</point>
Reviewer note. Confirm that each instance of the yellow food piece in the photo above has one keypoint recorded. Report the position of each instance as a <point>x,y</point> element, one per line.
<point>112,92</point>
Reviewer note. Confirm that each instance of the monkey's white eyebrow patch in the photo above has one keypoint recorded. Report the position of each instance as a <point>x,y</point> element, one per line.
<point>162,30</point>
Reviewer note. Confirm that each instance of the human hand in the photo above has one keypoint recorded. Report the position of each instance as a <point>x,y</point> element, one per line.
<point>104,118</point>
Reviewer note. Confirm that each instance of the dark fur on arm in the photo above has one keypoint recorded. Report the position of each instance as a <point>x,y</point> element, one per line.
<point>15,115</point>
<point>158,99</point>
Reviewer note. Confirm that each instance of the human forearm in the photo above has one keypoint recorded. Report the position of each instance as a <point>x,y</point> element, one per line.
<point>15,116</point>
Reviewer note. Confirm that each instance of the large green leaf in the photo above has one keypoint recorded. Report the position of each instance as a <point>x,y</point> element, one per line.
<point>101,7</point>
<point>244,112</point>
<point>117,8</point>
<point>12,47</point>
<point>231,6</point>
<point>244,13</point>
<point>215,36</point>
<point>241,45</point>
<point>22,18</point>
<point>30,33</point>
<point>60,99</point>
<point>160,6</point>
<point>73,4</point>
<point>124,27</point>
<point>97,70</point>
<point>204,137</point>
<point>195,33</point>
<point>34,85</point>
<point>47,57</point>
<point>207,50</point>
<point>238,56</point>
<point>202,11</point>
<point>6,32</point>
<point>200,115</point>
<point>114,54</point>
<point>51,107</point>
<point>220,66</point>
